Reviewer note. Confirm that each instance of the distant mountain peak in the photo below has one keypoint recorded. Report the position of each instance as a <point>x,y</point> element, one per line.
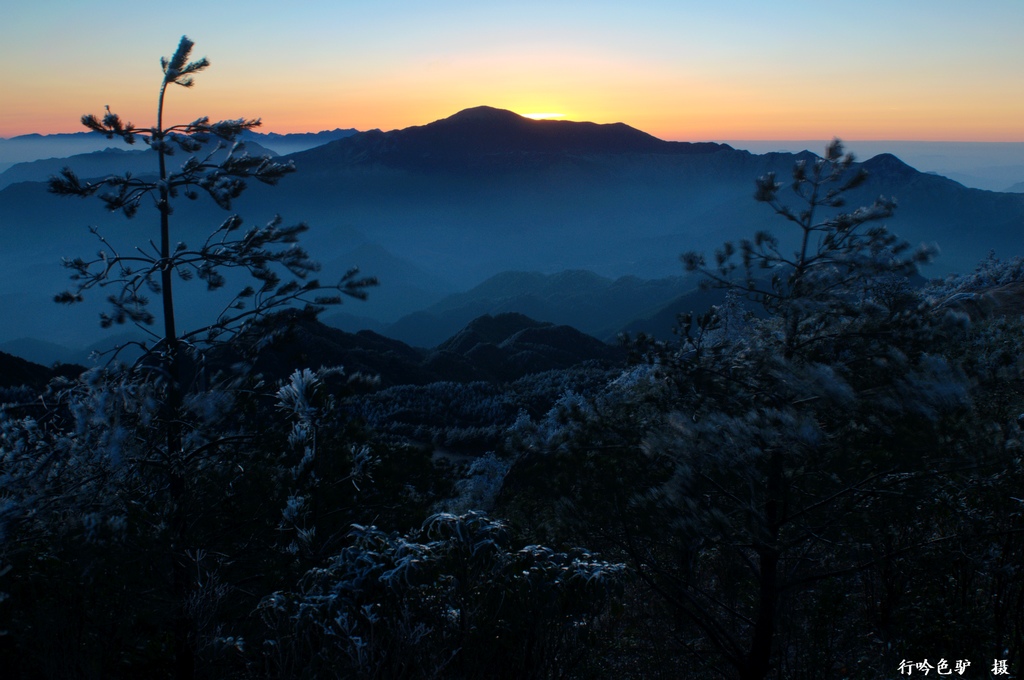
<point>484,113</point>
<point>493,136</point>
<point>887,162</point>
<point>489,130</point>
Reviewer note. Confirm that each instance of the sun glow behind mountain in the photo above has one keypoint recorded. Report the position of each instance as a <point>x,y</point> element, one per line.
<point>677,70</point>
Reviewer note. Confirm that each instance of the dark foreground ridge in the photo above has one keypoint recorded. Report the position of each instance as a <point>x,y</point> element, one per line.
<point>498,348</point>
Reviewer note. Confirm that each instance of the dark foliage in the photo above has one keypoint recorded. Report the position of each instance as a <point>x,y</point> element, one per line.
<point>795,486</point>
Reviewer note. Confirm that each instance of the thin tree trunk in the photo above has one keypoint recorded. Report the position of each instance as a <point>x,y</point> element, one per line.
<point>758,661</point>
<point>181,577</point>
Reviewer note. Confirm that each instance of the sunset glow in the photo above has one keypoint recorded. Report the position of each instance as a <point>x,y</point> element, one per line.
<point>741,69</point>
<point>543,116</point>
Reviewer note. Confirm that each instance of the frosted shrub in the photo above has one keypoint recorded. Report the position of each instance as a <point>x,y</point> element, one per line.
<point>453,598</point>
<point>479,488</point>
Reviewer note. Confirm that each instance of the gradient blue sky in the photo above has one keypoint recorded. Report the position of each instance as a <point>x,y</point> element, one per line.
<point>740,69</point>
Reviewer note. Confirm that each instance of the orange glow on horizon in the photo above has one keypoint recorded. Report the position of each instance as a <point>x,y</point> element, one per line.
<point>543,116</point>
<point>678,71</point>
<point>672,102</point>
<point>717,116</point>
<point>703,126</point>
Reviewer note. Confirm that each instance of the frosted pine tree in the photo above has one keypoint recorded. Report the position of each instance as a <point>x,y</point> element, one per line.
<point>143,446</point>
<point>794,430</point>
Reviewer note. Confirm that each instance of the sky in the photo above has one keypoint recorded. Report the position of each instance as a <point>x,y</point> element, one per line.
<point>939,70</point>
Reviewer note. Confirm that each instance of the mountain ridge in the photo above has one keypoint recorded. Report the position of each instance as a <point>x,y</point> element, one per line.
<point>467,137</point>
<point>442,207</point>
<point>112,160</point>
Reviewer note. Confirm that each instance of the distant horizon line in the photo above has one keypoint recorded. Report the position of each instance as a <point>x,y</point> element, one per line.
<point>558,118</point>
<point>719,140</point>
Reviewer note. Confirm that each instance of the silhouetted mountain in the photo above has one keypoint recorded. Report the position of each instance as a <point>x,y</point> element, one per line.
<point>509,346</point>
<point>963,222</point>
<point>485,136</point>
<point>40,351</point>
<point>33,147</point>
<point>296,141</point>
<point>18,372</point>
<point>663,322</point>
<point>94,164</point>
<point>486,191</point>
<point>501,348</point>
<point>992,166</point>
<point>504,192</point>
<point>15,372</point>
<point>109,161</point>
<point>594,304</point>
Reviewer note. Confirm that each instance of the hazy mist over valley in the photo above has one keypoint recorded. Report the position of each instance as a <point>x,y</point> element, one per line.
<point>439,209</point>
<point>994,166</point>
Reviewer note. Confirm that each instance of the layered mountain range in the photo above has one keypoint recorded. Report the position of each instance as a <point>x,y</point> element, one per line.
<point>498,348</point>
<point>25,150</point>
<point>434,211</point>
